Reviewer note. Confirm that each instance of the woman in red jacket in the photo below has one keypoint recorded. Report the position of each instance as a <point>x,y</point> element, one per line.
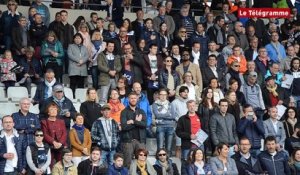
<point>55,133</point>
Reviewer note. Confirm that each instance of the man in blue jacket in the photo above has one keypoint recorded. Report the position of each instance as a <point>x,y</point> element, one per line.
<point>253,128</point>
<point>12,149</point>
<point>272,161</point>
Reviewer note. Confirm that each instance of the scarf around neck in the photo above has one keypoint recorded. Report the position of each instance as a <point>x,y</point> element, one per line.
<point>50,86</point>
<point>166,168</point>
<point>142,166</point>
<point>273,90</point>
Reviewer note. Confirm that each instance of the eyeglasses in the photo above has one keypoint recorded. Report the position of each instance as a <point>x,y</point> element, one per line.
<point>168,60</point>
<point>236,65</point>
<point>160,155</point>
<point>143,155</point>
<point>11,4</point>
<point>39,135</point>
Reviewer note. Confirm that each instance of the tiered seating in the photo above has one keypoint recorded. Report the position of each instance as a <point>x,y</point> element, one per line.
<point>16,93</point>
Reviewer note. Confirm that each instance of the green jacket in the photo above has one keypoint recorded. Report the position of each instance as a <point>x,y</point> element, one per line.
<point>104,68</point>
<point>46,56</point>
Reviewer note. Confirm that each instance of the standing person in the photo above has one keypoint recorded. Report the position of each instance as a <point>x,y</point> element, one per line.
<point>252,127</point>
<point>64,32</point>
<point>223,127</point>
<point>133,124</point>
<point>141,165</point>
<point>52,54</point>
<point>234,106</point>
<point>187,127</point>
<point>273,160</point>
<point>245,162</point>
<point>109,66</point>
<point>198,165</point>
<point>116,106</point>
<point>164,164</point>
<point>12,149</point>
<point>80,140</point>
<point>9,19</point>
<point>93,165</point>
<point>275,49</point>
<point>38,155</point>
<point>78,57</point>
<point>65,166</point>
<point>117,167</point>
<point>234,73</point>
<point>222,163</point>
<point>295,69</point>
<point>162,17</point>
<point>55,132</point>
<point>105,133</point>
<point>164,120</point>
<point>26,123</point>
<point>273,127</point>
<point>178,109</point>
<point>43,10</point>
<point>169,78</point>
<point>216,32</point>
<point>206,109</point>
<point>90,108</point>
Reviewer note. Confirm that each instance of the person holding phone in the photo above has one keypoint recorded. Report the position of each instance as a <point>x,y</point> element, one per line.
<point>253,128</point>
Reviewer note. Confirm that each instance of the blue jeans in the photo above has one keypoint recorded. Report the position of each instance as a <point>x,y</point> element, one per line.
<point>95,74</point>
<point>165,134</point>
<point>107,157</point>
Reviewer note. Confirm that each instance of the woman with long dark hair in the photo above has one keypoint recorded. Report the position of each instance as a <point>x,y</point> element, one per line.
<point>198,165</point>
<point>163,164</point>
<point>290,119</point>
<point>165,39</point>
<point>234,107</point>
<point>206,109</point>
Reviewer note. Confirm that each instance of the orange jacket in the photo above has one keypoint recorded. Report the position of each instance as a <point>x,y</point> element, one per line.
<point>76,145</point>
<point>116,109</point>
<point>243,62</point>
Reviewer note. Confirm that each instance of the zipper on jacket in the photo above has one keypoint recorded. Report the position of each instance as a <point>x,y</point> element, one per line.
<point>274,165</point>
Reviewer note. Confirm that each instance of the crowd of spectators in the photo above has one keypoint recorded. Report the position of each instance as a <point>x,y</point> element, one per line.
<point>215,86</point>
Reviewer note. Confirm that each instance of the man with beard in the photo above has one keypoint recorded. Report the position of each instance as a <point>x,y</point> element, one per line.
<point>186,66</point>
<point>133,126</point>
<point>217,33</point>
<point>295,71</point>
<point>178,109</point>
<point>92,165</point>
<point>244,161</point>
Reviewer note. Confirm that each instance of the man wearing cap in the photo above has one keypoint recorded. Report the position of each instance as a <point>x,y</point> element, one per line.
<point>67,109</point>
<point>105,133</point>
<point>32,72</point>
<point>252,92</point>
<point>273,94</point>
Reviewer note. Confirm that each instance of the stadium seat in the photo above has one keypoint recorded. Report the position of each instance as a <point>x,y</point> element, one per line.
<point>77,106</point>
<point>2,95</point>
<point>80,94</point>
<point>151,146</point>
<point>16,93</point>
<point>69,94</point>
<point>9,108</point>
<point>32,91</point>
<point>34,109</point>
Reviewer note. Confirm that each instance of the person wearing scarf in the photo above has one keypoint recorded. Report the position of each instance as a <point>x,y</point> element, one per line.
<point>80,139</point>
<point>234,73</point>
<point>140,166</point>
<point>163,164</point>
<point>115,105</point>
<point>273,94</point>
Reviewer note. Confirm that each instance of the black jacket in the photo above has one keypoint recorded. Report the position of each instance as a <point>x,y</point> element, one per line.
<point>159,171</point>
<point>183,130</point>
<point>85,168</point>
<point>39,96</point>
<point>243,166</point>
<point>207,75</point>
<point>282,95</point>
<point>136,65</point>
<point>91,111</point>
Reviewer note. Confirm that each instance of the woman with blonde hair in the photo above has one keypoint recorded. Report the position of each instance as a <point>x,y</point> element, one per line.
<point>182,38</point>
<point>90,108</point>
<point>80,140</point>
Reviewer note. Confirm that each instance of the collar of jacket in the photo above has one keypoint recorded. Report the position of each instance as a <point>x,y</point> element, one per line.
<point>15,133</point>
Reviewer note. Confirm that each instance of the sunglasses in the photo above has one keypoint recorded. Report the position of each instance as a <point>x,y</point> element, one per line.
<point>168,60</point>
<point>183,31</point>
<point>142,155</point>
<point>11,4</point>
<point>160,155</point>
<point>39,135</point>
<point>236,65</point>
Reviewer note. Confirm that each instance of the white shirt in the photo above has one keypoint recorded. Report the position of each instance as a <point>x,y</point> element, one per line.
<point>192,92</point>
<point>214,70</point>
<point>255,54</point>
<point>10,146</point>
<point>275,125</point>
<point>153,63</point>
<point>196,57</point>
